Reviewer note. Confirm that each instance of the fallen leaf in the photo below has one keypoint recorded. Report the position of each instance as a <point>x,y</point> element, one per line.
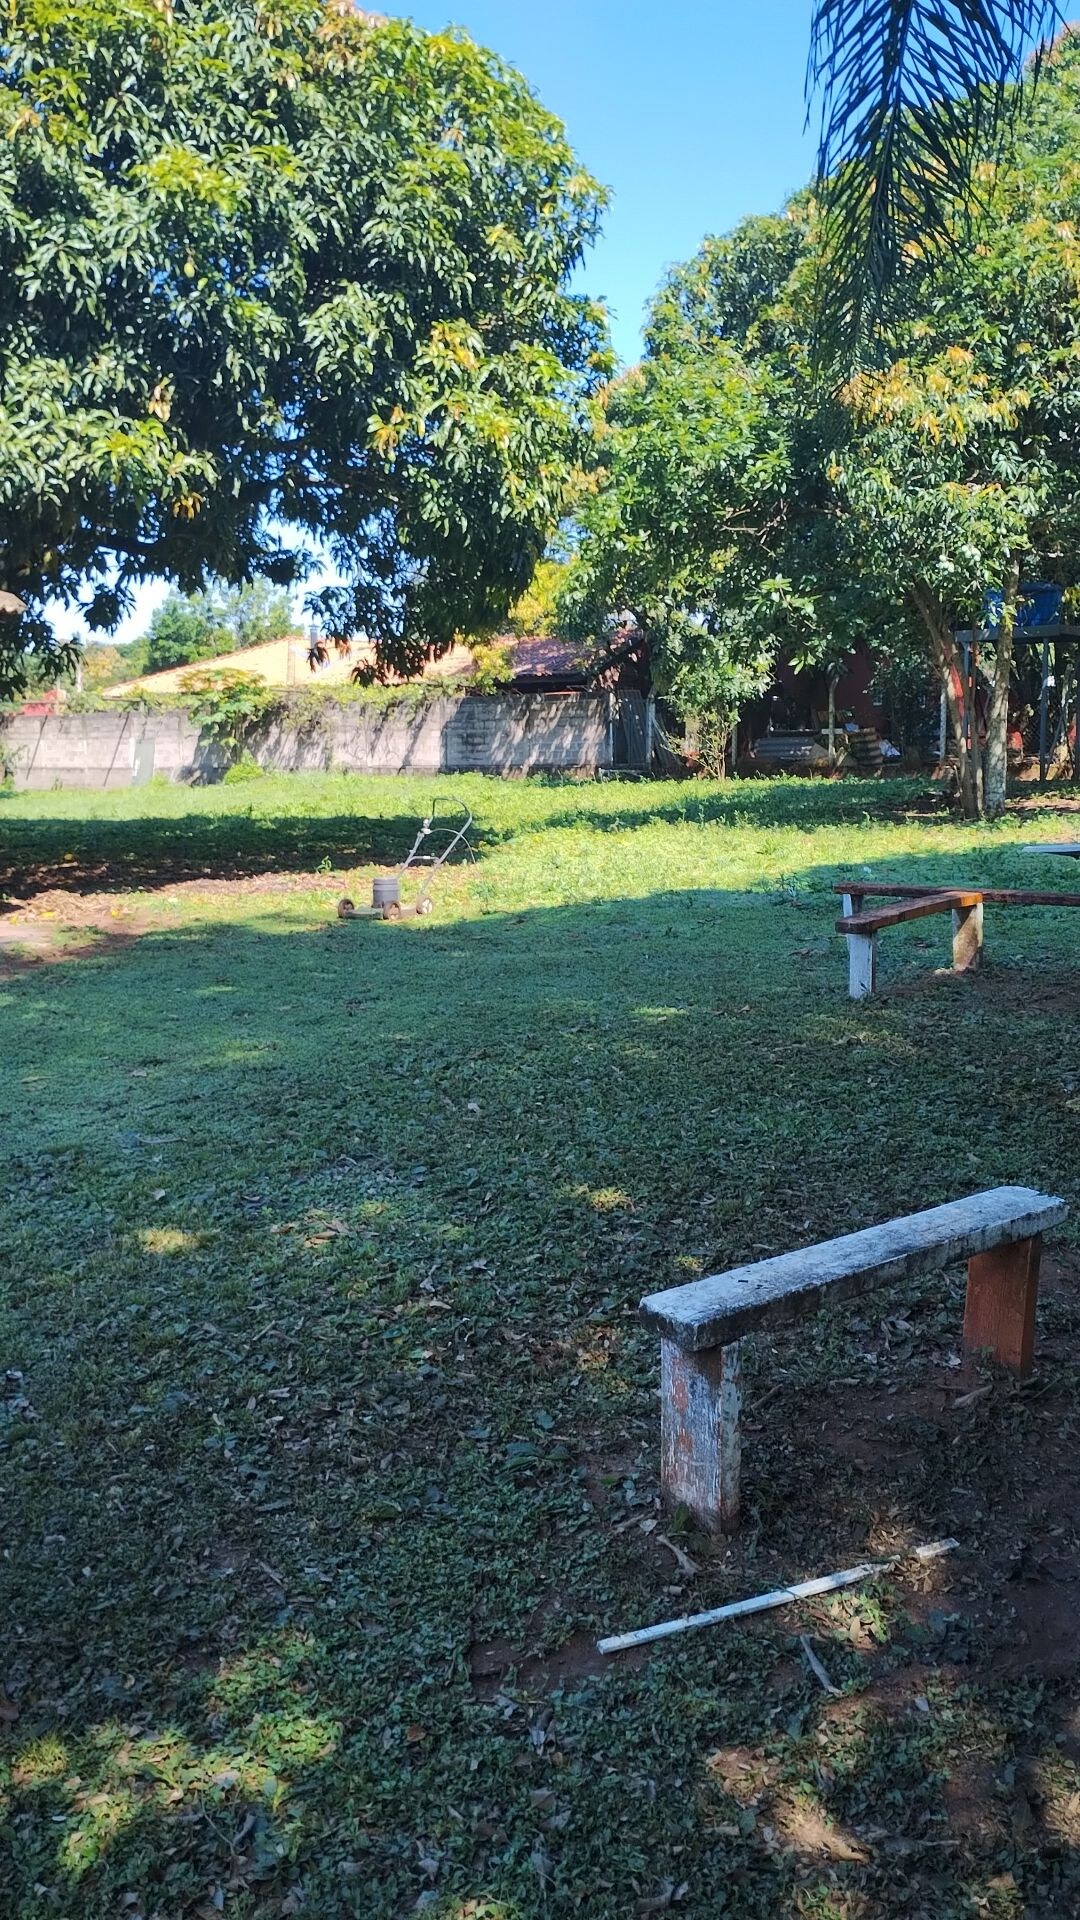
<point>685,1564</point>
<point>663,1900</point>
<point>968,1399</point>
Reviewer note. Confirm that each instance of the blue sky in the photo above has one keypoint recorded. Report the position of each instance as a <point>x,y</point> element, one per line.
<point>690,111</point>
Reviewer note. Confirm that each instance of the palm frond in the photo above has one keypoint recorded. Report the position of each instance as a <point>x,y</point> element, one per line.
<point>915,95</point>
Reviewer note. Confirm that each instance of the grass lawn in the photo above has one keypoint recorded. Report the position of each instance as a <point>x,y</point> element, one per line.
<point>329,1435</point>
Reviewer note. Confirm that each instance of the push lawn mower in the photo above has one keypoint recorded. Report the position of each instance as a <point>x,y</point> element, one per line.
<point>386,901</point>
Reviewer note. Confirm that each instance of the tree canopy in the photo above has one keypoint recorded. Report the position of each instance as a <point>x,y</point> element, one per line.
<point>199,626</point>
<point>714,520</point>
<point>742,507</point>
<point>277,280</point>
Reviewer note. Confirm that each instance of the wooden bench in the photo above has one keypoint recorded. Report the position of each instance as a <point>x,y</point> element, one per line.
<point>999,1233</point>
<point>966,904</point>
<point>862,930</point>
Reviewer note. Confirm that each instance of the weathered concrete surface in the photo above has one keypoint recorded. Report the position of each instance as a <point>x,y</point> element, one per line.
<point>104,749</point>
<point>500,733</point>
<point>700,1446</point>
<point>712,1312</point>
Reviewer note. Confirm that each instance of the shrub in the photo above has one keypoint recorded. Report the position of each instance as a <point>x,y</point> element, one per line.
<point>245,768</point>
<point>225,702</point>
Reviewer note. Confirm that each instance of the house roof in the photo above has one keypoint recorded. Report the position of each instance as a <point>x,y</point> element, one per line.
<point>284,663</point>
<point>536,661</point>
<point>542,658</point>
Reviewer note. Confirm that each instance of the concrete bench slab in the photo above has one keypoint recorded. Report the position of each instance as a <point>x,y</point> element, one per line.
<point>999,1233</point>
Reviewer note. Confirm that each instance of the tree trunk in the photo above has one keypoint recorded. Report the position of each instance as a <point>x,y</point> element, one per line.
<point>962,715</point>
<point>997,728</point>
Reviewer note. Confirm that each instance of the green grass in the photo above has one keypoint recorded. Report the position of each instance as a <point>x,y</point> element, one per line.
<point>329,1440</point>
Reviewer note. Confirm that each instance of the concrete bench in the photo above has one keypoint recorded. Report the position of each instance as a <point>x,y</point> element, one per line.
<point>999,1233</point>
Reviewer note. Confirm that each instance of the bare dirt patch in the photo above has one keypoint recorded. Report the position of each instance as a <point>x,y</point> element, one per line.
<point>1042,803</point>
<point>58,925</point>
<point>997,988</point>
<point>495,1664</point>
<point>28,943</point>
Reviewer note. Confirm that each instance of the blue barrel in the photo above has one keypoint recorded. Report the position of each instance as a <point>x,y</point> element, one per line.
<point>1039,606</point>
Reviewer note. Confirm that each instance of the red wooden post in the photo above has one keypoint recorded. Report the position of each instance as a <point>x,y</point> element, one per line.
<point>999,1314</point>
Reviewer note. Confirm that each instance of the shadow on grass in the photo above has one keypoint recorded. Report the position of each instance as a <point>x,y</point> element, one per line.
<point>154,849</point>
<point>157,850</point>
<point>322,1251</point>
<point>772,802</point>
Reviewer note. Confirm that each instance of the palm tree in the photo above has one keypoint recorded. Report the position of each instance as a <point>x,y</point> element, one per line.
<point>914,95</point>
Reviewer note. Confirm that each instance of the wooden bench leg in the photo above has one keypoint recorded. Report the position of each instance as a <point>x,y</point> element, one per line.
<point>862,965</point>
<point>699,1432</point>
<point>967,938</point>
<point>999,1315</point>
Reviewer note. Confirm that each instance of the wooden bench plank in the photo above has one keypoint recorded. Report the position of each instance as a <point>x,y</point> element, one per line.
<point>862,928</point>
<point>992,896</point>
<point>700,1441</point>
<point>862,965</point>
<point>916,908</point>
<point>701,1323</point>
<point>967,937</point>
<point>1002,1294</point>
<point>771,1293</point>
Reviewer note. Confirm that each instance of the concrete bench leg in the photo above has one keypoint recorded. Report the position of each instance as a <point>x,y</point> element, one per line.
<point>967,938</point>
<point>700,1445</point>
<point>862,965</point>
<point>1002,1291</point>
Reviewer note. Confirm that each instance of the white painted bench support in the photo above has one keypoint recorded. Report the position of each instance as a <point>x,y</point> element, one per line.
<point>700,1442</point>
<point>967,938</point>
<point>862,955</point>
<point>862,965</point>
<point>700,1324</point>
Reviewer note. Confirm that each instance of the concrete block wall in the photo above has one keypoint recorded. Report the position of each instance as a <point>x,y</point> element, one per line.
<point>507,735</point>
<point>500,733</point>
<point>103,749</point>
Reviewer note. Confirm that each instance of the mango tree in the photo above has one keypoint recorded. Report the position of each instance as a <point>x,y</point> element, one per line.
<point>713,519</point>
<point>279,280</point>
